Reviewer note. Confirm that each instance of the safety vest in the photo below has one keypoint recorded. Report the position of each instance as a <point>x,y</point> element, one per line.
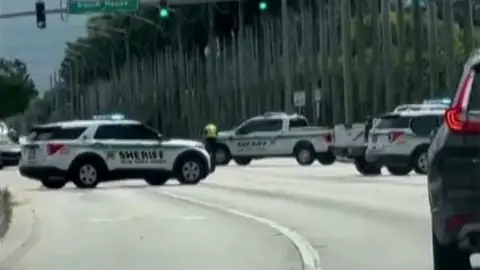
<point>210,131</point>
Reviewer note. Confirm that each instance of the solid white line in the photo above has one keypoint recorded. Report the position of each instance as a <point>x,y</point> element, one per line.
<point>132,218</point>
<point>310,257</point>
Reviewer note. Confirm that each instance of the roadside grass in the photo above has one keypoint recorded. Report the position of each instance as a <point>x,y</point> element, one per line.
<point>6,206</point>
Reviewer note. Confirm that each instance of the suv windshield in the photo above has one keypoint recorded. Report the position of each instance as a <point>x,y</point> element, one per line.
<point>392,121</point>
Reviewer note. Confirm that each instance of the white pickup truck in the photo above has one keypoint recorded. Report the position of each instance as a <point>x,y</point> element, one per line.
<point>349,140</point>
<point>275,135</point>
<point>350,144</point>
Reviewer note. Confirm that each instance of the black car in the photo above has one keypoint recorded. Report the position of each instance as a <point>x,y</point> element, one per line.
<point>454,175</point>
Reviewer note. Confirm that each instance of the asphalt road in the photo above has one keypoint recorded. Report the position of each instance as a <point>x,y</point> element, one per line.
<point>353,222</point>
<point>125,227</point>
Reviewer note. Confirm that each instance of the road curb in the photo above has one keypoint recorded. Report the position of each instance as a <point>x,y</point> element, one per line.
<point>20,237</point>
<point>310,257</point>
<point>5,212</point>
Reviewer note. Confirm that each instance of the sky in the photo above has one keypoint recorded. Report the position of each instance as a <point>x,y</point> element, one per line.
<point>41,50</point>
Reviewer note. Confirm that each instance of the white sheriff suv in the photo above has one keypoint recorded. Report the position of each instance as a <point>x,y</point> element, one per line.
<point>88,152</point>
<point>275,134</point>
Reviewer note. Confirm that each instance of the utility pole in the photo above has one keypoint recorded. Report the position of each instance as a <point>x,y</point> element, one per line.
<point>286,58</point>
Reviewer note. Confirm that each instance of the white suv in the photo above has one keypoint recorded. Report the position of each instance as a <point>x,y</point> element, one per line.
<point>92,151</point>
<point>400,140</point>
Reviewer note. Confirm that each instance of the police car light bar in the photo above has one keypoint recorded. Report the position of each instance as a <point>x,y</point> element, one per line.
<point>420,107</point>
<point>268,114</point>
<point>439,101</point>
<point>115,116</point>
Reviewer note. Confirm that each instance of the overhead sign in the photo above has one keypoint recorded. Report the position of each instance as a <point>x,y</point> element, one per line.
<point>101,6</point>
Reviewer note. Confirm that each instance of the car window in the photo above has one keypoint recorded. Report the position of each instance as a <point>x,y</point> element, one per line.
<point>424,125</point>
<point>266,125</point>
<point>140,132</point>
<point>125,132</point>
<point>298,122</point>
<point>393,121</point>
<point>55,133</point>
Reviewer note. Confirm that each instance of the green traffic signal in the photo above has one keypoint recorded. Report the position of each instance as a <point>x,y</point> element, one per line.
<point>164,13</point>
<point>262,5</point>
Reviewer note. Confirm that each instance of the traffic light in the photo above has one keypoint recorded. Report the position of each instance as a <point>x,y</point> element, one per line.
<point>40,12</point>
<point>262,5</point>
<point>163,11</point>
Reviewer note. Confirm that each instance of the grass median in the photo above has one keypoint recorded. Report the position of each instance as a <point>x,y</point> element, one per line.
<point>6,205</point>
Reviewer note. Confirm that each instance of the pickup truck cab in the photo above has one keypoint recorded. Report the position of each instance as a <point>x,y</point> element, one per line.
<point>275,135</point>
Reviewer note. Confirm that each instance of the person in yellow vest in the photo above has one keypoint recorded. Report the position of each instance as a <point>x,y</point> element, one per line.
<point>210,133</point>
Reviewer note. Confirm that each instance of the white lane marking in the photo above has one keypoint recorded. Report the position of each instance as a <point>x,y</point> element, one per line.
<point>115,219</point>
<point>310,257</point>
<point>129,218</point>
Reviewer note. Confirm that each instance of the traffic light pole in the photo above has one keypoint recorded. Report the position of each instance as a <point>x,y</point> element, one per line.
<point>143,2</point>
<point>286,58</point>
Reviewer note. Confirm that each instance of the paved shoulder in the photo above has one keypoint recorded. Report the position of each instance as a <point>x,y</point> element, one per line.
<point>123,229</point>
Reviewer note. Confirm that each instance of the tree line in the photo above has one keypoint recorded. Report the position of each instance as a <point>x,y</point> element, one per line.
<point>17,88</point>
<point>225,62</point>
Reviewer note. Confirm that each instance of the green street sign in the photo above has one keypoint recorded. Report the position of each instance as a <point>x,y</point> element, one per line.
<point>102,6</point>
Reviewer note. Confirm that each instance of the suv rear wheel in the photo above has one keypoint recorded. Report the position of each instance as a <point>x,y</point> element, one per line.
<point>157,180</point>
<point>53,184</point>
<point>86,175</point>
<point>366,168</point>
<point>327,158</point>
<point>242,161</point>
<point>399,170</point>
<point>448,257</point>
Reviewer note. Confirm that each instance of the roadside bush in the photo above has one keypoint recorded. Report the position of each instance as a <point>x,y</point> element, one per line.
<point>6,205</point>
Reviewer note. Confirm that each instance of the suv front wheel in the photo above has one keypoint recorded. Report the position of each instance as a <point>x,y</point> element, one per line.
<point>449,257</point>
<point>420,161</point>
<point>190,170</point>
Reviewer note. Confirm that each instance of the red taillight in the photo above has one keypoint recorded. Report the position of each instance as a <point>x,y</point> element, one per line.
<point>458,221</point>
<point>395,135</point>
<point>456,116</point>
<point>53,148</point>
<point>328,138</point>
